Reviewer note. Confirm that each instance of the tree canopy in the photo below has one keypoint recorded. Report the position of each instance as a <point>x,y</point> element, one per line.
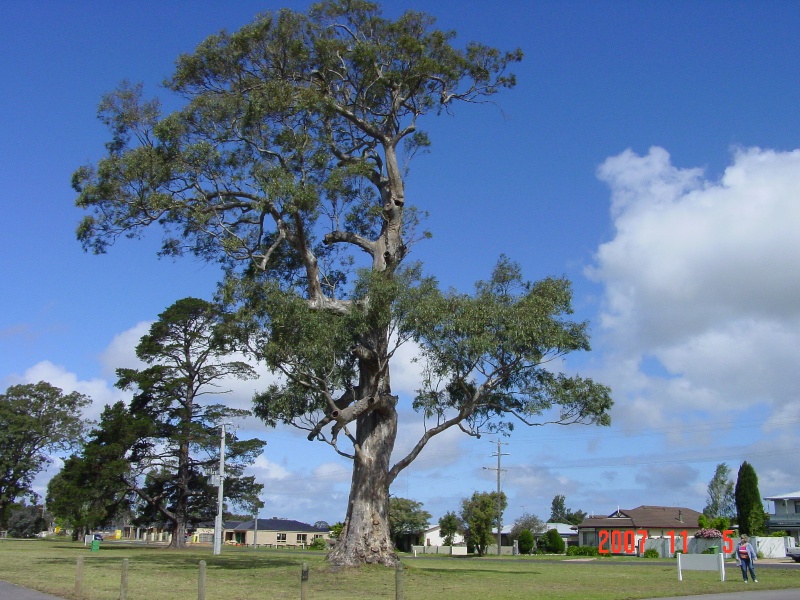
<point>407,516</point>
<point>287,165</point>
<point>749,507</point>
<point>527,522</point>
<point>36,419</point>
<point>158,452</point>
<point>721,499</point>
<point>478,515</point>
<point>559,513</point>
<point>448,527</point>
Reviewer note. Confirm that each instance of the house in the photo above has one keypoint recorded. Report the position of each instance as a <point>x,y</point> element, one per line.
<point>433,537</point>
<point>786,514</point>
<point>275,532</point>
<point>620,532</point>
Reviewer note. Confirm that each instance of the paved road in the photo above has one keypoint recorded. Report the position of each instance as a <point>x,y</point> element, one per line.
<point>752,593</point>
<point>9,591</point>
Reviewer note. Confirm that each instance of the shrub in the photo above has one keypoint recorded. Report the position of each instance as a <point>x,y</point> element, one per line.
<point>651,553</point>
<point>582,551</point>
<point>319,544</point>
<point>525,541</point>
<point>721,523</point>
<point>708,534</point>
<point>779,534</point>
<point>552,542</point>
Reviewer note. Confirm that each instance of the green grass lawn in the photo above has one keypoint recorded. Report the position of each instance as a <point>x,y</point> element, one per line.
<point>156,573</point>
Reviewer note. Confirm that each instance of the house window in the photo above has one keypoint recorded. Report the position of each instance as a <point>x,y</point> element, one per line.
<point>317,536</point>
<point>281,538</point>
<point>301,538</point>
<point>797,507</point>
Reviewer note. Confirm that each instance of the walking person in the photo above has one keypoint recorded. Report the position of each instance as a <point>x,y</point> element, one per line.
<point>746,556</point>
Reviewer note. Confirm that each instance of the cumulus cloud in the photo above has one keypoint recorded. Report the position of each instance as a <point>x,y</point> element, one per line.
<point>121,351</point>
<point>97,389</point>
<point>700,320</point>
<point>703,277</point>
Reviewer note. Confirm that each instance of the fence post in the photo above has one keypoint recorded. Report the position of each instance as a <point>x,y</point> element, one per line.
<point>303,581</point>
<point>398,581</point>
<point>123,586</point>
<point>201,581</point>
<point>79,578</point>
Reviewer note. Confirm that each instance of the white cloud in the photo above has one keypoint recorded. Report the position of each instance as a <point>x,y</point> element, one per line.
<point>97,389</point>
<point>703,276</point>
<point>121,351</point>
<point>263,468</point>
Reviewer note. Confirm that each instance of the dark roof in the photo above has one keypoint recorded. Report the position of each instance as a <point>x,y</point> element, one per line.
<point>647,517</point>
<point>280,525</point>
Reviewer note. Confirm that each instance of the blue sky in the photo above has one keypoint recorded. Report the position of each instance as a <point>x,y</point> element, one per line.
<point>649,152</point>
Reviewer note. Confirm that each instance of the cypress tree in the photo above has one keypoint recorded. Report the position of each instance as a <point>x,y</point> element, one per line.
<point>749,510</point>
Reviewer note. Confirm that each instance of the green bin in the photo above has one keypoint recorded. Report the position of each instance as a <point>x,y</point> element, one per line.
<point>95,545</point>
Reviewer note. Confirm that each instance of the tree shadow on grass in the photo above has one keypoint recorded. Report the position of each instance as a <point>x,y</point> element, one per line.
<point>465,571</point>
<point>177,560</point>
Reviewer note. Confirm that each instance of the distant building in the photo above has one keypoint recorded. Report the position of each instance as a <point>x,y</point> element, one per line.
<point>656,521</point>
<point>786,514</point>
<point>275,533</point>
<point>433,537</point>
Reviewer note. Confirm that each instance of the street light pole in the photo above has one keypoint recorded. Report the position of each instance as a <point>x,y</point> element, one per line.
<point>220,493</point>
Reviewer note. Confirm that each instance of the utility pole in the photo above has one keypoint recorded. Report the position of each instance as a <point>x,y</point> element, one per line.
<point>498,454</point>
<point>220,493</point>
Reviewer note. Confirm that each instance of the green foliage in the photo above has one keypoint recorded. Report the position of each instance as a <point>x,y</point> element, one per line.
<point>749,510</point>
<point>582,551</point>
<point>36,420</point>
<point>527,521</point>
<point>286,165</point>
<point>559,513</point>
<point>506,332</point>
<point>319,544</point>
<point>720,523</point>
<point>651,553</point>
<point>157,452</point>
<point>336,530</point>
<point>448,527</point>
<point>26,521</point>
<point>407,516</point>
<point>525,541</point>
<point>779,534</point>
<point>478,514</point>
<point>552,542</point>
<point>721,501</point>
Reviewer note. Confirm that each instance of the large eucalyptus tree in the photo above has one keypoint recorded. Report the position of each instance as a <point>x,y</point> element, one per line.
<point>287,164</point>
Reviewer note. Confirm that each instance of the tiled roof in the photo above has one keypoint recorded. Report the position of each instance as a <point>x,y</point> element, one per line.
<point>280,525</point>
<point>647,517</point>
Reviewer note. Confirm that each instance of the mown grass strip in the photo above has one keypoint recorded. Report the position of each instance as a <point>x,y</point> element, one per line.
<point>155,573</point>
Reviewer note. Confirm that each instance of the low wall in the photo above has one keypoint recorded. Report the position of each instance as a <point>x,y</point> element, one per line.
<point>446,550</point>
<point>504,550</point>
<point>769,547</point>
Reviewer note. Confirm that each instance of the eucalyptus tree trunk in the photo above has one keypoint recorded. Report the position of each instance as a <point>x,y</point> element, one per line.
<point>366,537</point>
